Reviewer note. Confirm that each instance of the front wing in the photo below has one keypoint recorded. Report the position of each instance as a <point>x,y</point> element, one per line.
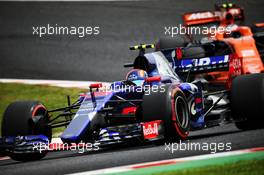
<point>141,132</point>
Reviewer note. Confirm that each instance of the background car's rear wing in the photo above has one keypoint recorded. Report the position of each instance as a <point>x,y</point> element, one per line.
<point>205,17</point>
<point>201,17</point>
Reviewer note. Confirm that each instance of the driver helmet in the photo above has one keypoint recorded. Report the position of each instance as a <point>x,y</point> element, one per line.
<point>137,76</point>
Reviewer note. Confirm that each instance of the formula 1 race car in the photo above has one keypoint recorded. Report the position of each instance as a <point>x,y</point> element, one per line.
<point>152,103</point>
<point>246,42</point>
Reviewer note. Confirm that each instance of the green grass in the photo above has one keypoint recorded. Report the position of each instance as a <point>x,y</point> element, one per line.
<point>51,97</point>
<point>245,167</point>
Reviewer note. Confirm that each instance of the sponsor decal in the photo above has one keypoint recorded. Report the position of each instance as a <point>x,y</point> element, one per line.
<point>202,63</point>
<point>150,129</point>
<point>248,53</point>
<point>235,68</point>
<point>198,100</point>
<point>201,15</point>
<point>234,11</point>
<point>252,68</point>
<point>132,77</point>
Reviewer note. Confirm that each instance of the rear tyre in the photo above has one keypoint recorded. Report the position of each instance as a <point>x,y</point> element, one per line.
<point>23,118</point>
<point>194,52</point>
<point>247,101</point>
<point>171,107</point>
<point>171,42</point>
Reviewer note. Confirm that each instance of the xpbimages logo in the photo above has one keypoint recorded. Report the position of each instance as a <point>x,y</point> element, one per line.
<point>80,147</point>
<point>195,30</point>
<point>213,147</point>
<point>79,31</point>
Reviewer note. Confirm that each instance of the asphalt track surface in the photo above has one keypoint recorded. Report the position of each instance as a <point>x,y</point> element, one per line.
<point>70,162</point>
<point>99,58</point>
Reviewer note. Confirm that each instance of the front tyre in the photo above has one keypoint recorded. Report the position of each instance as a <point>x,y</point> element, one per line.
<point>23,118</point>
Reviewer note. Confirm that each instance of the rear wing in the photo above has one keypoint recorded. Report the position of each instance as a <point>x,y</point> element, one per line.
<point>202,65</point>
<point>201,17</point>
<point>231,63</point>
<point>198,65</point>
<point>216,16</point>
<point>180,64</point>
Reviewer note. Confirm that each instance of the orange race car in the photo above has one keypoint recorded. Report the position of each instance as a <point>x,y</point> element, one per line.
<point>246,42</point>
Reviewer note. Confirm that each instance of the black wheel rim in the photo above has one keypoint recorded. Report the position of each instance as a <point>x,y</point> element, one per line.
<point>181,110</point>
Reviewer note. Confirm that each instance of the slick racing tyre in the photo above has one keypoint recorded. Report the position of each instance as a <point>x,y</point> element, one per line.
<point>247,101</point>
<point>171,107</point>
<point>171,42</point>
<point>180,41</point>
<point>24,118</point>
<point>194,52</point>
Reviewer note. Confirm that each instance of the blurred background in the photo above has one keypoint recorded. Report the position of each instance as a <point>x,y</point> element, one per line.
<point>93,58</point>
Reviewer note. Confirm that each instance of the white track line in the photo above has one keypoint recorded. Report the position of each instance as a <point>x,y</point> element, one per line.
<point>57,83</point>
<point>162,162</point>
<point>4,158</point>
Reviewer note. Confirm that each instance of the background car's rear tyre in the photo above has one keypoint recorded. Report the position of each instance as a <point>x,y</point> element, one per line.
<point>23,118</point>
<point>247,101</point>
<point>194,52</point>
<point>171,107</point>
<point>171,42</point>
<point>180,41</point>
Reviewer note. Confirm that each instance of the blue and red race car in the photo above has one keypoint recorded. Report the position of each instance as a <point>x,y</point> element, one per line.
<point>155,102</point>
